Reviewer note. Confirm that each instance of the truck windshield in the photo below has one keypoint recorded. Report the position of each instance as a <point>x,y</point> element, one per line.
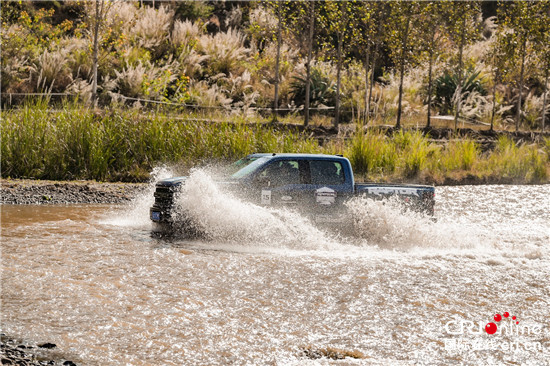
<point>243,172</point>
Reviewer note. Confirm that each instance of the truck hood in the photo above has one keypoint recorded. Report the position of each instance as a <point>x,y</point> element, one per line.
<point>176,181</point>
<point>171,182</point>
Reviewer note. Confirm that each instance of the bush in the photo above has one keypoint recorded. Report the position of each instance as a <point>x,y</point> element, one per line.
<point>414,149</point>
<point>372,152</point>
<point>76,143</point>
<point>322,91</point>
<point>446,86</point>
<point>524,163</point>
<point>459,155</point>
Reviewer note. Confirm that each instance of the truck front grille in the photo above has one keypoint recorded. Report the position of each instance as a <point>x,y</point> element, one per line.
<point>164,197</point>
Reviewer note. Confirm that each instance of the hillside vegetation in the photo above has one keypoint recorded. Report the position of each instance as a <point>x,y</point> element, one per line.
<point>390,58</point>
<point>109,89</point>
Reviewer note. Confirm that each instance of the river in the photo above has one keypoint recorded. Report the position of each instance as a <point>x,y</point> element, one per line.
<point>268,288</point>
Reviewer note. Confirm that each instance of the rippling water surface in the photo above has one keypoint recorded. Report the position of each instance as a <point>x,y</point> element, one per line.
<point>269,288</point>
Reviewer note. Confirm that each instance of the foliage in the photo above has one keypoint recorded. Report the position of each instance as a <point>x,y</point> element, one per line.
<point>75,143</point>
<point>225,52</point>
<point>459,155</point>
<point>512,161</point>
<point>322,90</point>
<point>446,86</point>
<point>372,152</point>
<point>125,144</point>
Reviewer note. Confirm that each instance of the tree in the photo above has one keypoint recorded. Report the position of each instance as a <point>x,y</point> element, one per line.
<point>462,29</point>
<point>543,45</point>
<point>401,39</point>
<point>334,17</point>
<point>96,23</point>
<point>308,63</point>
<point>496,58</point>
<point>432,18</point>
<point>366,27</point>
<point>299,18</point>
<point>277,62</point>
<point>521,18</point>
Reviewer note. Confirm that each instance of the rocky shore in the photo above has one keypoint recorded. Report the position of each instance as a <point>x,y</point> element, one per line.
<point>37,192</point>
<point>21,353</point>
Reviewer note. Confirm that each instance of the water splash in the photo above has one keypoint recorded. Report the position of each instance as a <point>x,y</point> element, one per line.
<point>465,222</point>
<point>136,213</point>
<point>386,224</point>
<point>222,216</point>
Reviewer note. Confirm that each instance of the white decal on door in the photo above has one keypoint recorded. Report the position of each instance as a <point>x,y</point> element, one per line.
<point>266,197</point>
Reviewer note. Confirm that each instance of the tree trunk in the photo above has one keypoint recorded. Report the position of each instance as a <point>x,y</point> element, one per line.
<point>494,100</point>
<point>544,100</point>
<point>277,62</point>
<point>338,81</point>
<point>429,117</point>
<point>520,91</point>
<point>402,74</point>
<point>374,57</point>
<point>459,86</point>
<point>95,53</point>
<point>367,62</point>
<point>308,65</point>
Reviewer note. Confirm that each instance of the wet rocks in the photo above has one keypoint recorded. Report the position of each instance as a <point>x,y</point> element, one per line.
<point>35,192</point>
<point>47,345</point>
<point>331,353</point>
<point>17,352</point>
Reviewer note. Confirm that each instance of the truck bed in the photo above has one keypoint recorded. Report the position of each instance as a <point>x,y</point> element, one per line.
<point>421,196</point>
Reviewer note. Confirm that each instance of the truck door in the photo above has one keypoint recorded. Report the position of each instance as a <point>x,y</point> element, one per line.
<point>304,183</point>
<point>327,190</point>
<point>279,182</point>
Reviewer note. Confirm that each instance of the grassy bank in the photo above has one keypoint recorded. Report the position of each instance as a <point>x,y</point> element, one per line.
<point>122,145</point>
<point>410,156</point>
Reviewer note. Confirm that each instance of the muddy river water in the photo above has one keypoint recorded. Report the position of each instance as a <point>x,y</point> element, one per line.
<point>268,288</point>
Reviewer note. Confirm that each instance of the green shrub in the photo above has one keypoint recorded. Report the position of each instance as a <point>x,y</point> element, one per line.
<point>414,150</point>
<point>446,85</point>
<point>75,143</point>
<point>459,155</point>
<point>321,92</point>
<point>524,163</point>
<point>372,153</point>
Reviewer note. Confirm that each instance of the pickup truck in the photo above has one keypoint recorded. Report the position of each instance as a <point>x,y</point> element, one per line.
<point>317,185</point>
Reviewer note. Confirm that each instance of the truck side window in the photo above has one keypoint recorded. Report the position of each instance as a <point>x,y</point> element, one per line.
<point>281,173</point>
<point>326,172</point>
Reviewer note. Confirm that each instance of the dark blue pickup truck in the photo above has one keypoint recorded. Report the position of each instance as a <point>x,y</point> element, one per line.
<point>317,185</point>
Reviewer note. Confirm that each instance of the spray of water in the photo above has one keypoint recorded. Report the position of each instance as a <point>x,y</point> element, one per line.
<point>136,213</point>
<point>378,225</point>
<point>387,224</point>
<point>221,216</point>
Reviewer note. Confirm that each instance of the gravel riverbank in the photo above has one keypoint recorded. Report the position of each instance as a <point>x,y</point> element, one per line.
<point>36,192</point>
<point>22,353</point>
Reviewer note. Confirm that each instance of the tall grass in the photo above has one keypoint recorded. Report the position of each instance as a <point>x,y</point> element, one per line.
<point>124,145</point>
<point>459,155</point>
<point>121,145</point>
<point>404,153</point>
<point>413,156</point>
<point>372,153</point>
<point>415,150</point>
<point>511,161</point>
